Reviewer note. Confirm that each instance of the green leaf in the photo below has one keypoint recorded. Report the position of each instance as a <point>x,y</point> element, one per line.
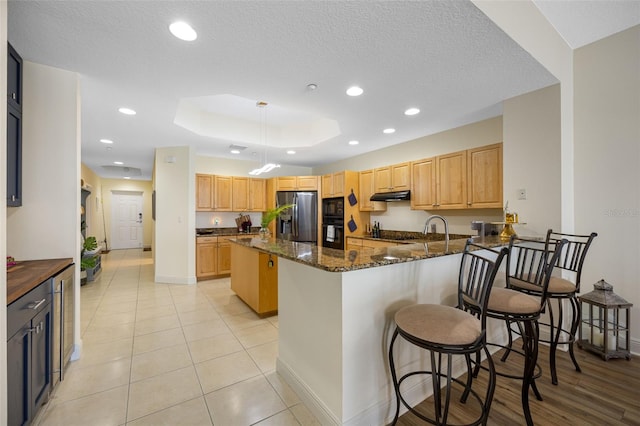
<point>271,214</point>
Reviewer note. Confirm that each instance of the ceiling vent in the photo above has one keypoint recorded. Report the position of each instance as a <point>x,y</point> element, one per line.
<point>123,170</point>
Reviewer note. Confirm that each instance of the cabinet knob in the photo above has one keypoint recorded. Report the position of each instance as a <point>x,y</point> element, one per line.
<point>468,203</point>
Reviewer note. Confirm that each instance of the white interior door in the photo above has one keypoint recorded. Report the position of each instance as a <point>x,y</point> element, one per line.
<point>126,220</point>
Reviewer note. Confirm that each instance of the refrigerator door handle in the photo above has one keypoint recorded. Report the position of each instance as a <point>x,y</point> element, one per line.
<point>295,215</point>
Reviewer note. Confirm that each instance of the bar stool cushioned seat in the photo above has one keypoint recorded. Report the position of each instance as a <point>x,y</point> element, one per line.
<point>445,331</point>
<point>439,324</point>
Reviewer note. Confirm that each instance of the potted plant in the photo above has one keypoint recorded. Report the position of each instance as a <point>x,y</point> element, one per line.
<point>89,245</point>
<point>267,217</point>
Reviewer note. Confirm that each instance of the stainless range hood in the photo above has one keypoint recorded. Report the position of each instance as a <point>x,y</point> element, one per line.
<point>391,196</point>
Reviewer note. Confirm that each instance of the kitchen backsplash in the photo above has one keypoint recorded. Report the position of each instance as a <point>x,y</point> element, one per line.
<point>224,219</point>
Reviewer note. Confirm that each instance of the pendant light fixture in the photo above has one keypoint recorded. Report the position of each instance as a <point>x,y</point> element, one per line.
<point>266,167</point>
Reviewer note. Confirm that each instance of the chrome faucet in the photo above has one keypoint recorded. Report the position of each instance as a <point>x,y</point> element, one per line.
<point>446,227</point>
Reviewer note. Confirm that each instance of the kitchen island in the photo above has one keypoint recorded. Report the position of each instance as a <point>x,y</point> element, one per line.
<point>336,319</point>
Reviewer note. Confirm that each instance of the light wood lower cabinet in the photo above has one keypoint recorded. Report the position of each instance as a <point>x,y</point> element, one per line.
<point>254,278</point>
<point>213,256</point>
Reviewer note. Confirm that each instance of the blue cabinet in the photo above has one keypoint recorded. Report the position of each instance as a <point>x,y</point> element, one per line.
<point>14,128</point>
<point>29,332</point>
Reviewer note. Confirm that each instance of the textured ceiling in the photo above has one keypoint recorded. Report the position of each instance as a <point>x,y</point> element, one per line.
<point>446,58</point>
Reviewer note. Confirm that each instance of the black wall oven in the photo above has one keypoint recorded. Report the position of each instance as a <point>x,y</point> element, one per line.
<point>333,223</point>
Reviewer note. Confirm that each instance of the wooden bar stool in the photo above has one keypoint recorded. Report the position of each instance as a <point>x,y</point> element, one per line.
<point>445,331</point>
<point>529,264</point>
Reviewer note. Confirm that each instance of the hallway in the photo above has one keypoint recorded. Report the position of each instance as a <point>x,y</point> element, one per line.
<point>161,354</point>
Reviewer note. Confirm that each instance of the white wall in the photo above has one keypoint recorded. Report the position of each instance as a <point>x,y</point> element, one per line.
<point>531,152</point>
<point>47,225</point>
<point>607,163</point>
<point>174,227</point>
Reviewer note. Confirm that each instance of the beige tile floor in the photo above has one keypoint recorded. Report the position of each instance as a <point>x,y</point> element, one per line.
<point>160,354</point>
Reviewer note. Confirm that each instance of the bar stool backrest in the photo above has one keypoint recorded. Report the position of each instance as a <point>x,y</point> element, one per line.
<point>478,270</point>
<point>531,262</point>
<point>573,253</point>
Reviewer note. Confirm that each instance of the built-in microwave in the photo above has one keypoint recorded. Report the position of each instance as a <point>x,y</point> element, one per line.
<point>333,208</point>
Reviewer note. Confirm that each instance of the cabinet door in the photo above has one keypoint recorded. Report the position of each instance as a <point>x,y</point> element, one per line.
<point>40,358</point>
<point>451,186</point>
<point>240,194</point>
<point>338,184</point>
<point>204,192</point>
<point>224,256</point>
<point>423,181</point>
<point>366,190</point>
<point>206,259</point>
<point>307,183</point>
<point>286,183</point>
<point>401,177</point>
<point>222,193</point>
<point>327,186</point>
<point>257,195</point>
<point>17,376</point>
<point>484,174</point>
<point>14,79</point>
<point>14,158</point>
<point>382,179</point>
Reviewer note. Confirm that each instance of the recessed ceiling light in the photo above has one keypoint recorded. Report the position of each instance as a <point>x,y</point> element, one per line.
<point>183,31</point>
<point>312,86</point>
<point>389,131</point>
<point>119,163</point>
<point>109,141</point>
<point>126,177</point>
<point>353,142</point>
<point>291,152</point>
<point>235,151</point>
<point>412,111</point>
<point>354,91</point>
<point>127,111</point>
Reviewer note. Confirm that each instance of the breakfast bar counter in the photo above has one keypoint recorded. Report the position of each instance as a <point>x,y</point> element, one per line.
<point>335,320</point>
<point>334,260</point>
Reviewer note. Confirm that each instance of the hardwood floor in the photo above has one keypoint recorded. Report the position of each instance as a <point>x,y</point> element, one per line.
<point>605,393</point>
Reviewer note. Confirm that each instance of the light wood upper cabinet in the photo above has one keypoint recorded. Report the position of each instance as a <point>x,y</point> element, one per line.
<point>223,193</point>
<point>423,176</point>
<point>297,183</point>
<point>396,177</point>
<point>249,194</point>
<point>484,174</point>
<point>451,183</point>
<point>257,195</point>
<point>204,192</point>
<point>470,179</point>
<point>240,198</point>
<point>333,185</point>
<point>366,190</point>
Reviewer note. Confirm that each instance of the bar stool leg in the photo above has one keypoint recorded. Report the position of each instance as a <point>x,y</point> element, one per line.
<point>394,376</point>
<point>575,323</point>
<point>530,341</point>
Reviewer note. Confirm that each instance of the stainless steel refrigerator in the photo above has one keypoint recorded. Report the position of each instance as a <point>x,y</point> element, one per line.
<point>299,223</point>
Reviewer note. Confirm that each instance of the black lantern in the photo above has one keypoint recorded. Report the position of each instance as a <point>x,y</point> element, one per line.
<point>606,318</point>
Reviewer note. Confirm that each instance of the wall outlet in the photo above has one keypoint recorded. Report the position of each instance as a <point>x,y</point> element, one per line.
<point>522,194</point>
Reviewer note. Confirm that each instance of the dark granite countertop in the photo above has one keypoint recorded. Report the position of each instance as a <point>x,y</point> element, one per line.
<point>407,237</point>
<point>334,260</point>
<point>214,232</point>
